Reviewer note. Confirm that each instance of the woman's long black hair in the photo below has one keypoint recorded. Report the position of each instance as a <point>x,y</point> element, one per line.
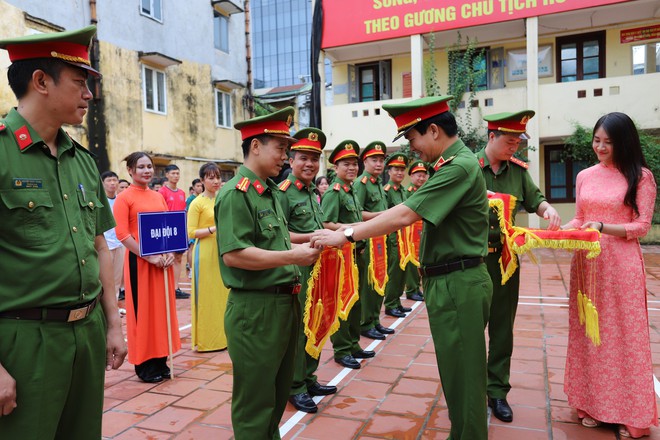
<point>627,154</point>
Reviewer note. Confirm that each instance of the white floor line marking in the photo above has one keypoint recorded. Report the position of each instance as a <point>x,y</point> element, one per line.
<point>298,416</point>
<point>656,385</point>
<point>185,327</point>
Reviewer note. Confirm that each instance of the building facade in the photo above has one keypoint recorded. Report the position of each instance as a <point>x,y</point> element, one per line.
<point>570,61</point>
<point>174,77</point>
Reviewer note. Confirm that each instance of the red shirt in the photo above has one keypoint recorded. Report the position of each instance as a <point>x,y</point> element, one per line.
<point>176,200</point>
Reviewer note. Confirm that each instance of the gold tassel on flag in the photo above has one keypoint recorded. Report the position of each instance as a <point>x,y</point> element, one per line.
<point>580,306</point>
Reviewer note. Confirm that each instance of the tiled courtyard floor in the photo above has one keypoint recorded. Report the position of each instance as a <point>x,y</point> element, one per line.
<point>397,394</point>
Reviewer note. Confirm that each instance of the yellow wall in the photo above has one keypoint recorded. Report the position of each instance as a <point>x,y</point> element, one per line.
<point>188,128</point>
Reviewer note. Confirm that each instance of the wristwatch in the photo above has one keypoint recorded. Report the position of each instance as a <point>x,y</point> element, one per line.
<point>348,233</point>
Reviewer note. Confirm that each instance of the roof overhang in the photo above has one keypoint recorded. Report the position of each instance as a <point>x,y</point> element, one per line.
<point>229,7</point>
<point>158,58</point>
<point>228,84</point>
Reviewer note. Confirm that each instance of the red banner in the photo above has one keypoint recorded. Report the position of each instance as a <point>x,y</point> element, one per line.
<point>640,34</point>
<point>378,263</point>
<point>348,22</point>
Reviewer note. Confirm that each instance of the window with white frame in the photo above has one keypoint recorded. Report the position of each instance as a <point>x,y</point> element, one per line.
<point>155,97</point>
<point>152,9</point>
<point>223,109</point>
<point>646,58</point>
<point>220,31</point>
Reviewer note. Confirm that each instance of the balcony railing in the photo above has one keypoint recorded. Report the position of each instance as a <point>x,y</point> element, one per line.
<point>561,105</point>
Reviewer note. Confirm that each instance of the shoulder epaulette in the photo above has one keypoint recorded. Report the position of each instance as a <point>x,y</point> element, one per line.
<point>441,162</point>
<point>336,186</point>
<point>284,185</point>
<point>519,162</point>
<point>410,188</point>
<point>482,162</point>
<point>387,187</point>
<point>243,184</point>
<point>364,179</point>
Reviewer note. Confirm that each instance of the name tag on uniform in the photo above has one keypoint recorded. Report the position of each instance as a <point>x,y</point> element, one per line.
<point>265,213</point>
<point>24,183</point>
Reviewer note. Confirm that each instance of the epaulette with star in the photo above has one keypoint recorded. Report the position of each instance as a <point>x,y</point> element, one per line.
<point>299,185</point>
<point>243,184</point>
<point>387,187</point>
<point>364,179</point>
<point>482,162</point>
<point>519,162</point>
<point>284,185</point>
<point>336,187</point>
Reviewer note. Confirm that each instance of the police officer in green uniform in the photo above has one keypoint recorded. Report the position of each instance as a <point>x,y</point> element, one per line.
<point>506,174</point>
<point>454,207</point>
<point>369,192</point>
<point>419,174</point>
<point>341,207</point>
<point>395,194</point>
<point>58,332</point>
<point>303,214</point>
<point>260,267</point>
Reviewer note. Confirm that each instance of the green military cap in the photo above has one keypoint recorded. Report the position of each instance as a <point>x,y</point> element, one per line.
<point>72,47</point>
<point>344,150</point>
<point>309,139</point>
<point>409,114</point>
<point>514,123</point>
<point>397,160</point>
<point>375,148</point>
<point>275,124</point>
<point>418,165</point>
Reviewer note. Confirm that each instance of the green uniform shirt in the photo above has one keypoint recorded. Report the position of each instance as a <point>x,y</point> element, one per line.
<point>394,194</point>
<point>454,207</point>
<point>301,208</point>
<point>369,192</point>
<point>510,179</point>
<point>248,215</point>
<point>51,210</point>
<point>340,205</point>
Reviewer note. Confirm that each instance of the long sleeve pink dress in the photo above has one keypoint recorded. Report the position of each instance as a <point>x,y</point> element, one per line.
<point>613,382</point>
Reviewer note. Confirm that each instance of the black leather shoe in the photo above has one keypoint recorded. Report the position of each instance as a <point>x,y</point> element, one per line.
<point>364,354</point>
<point>152,379</point>
<point>416,297</point>
<point>180,294</point>
<point>372,333</point>
<point>122,295</point>
<point>384,330</point>
<point>348,361</point>
<point>405,309</point>
<point>303,402</point>
<point>316,389</point>
<point>395,312</point>
<point>501,409</point>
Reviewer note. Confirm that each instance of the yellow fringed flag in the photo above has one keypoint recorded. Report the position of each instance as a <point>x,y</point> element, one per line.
<point>414,236</point>
<point>378,263</point>
<point>321,317</point>
<point>505,205</point>
<point>404,247</point>
<point>348,294</point>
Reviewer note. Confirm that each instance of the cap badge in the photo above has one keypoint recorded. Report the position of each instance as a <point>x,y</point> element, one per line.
<point>377,147</point>
<point>313,137</point>
<point>289,120</point>
<point>524,120</point>
<point>348,147</point>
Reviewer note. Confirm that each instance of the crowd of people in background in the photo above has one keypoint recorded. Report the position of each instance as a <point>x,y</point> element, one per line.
<point>253,245</point>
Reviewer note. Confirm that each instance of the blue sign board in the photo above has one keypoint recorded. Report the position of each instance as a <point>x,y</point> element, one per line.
<point>162,232</point>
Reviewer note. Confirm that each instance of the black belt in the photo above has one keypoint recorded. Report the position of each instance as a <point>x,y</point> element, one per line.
<point>289,289</point>
<point>445,268</point>
<point>74,313</point>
